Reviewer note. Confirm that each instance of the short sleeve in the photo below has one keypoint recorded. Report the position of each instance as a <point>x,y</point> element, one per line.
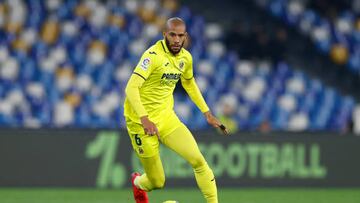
<point>146,65</point>
<point>188,72</point>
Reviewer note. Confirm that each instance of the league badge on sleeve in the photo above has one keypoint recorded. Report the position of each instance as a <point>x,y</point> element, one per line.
<point>145,63</point>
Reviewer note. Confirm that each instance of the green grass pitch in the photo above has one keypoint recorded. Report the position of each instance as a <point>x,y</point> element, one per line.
<point>241,195</point>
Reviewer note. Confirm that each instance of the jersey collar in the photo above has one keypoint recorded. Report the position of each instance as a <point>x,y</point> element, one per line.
<point>163,44</point>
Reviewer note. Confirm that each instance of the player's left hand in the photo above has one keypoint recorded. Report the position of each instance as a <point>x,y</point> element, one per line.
<point>213,121</point>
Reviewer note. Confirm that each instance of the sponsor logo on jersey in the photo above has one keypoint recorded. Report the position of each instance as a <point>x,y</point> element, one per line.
<point>170,79</point>
<point>171,76</point>
<point>145,63</point>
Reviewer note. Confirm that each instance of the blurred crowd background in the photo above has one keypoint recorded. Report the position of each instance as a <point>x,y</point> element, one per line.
<point>283,65</point>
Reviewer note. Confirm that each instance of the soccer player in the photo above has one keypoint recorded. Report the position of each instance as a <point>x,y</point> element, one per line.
<point>150,118</point>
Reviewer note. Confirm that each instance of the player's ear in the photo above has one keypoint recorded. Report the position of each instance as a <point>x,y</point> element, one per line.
<point>164,34</point>
<point>187,40</point>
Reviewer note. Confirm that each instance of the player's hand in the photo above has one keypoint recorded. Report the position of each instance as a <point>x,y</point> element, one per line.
<point>149,127</point>
<point>213,121</point>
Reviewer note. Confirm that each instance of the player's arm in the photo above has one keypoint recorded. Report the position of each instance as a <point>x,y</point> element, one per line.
<point>195,95</point>
<point>132,91</point>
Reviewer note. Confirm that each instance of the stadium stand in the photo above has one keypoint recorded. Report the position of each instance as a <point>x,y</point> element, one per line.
<point>66,64</point>
<point>335,32</point>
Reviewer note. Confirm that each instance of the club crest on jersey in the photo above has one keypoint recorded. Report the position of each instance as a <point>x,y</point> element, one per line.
<point>181,65</point>
<point>145,63</point>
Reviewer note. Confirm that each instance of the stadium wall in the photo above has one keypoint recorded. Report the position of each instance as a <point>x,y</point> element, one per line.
<point>104,159</point>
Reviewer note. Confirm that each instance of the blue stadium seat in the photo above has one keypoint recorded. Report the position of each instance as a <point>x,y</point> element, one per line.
<point>325,108</point>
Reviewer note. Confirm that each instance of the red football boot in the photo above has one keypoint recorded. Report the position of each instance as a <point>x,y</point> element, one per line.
<point>139,194</point>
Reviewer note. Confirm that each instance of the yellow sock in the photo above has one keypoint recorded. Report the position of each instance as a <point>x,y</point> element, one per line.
<point>206,182</point>
<point>143,183</point>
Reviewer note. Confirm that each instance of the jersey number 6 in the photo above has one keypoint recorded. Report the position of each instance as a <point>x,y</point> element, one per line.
<point>137,139</point>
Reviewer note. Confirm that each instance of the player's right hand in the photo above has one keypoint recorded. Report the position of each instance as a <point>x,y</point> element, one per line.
<point>149,127</point>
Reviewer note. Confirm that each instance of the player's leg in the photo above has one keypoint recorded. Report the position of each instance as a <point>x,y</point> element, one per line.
<point>154,177</point>
<point>147,149</point>
<point>182,142</point>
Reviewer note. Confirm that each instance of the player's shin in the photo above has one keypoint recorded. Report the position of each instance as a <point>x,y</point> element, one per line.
<point>206,182</point>
<point>154,177</point>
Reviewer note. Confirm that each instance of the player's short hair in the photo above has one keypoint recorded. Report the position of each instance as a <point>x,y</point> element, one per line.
<point>174,20</point>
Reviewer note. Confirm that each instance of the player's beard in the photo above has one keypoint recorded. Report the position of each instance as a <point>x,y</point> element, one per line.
<point>169,46</point>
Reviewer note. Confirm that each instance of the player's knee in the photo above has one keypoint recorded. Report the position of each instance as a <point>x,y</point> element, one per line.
<point>197,162</point>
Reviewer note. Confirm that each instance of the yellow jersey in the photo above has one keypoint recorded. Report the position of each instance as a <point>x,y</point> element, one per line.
<point>160,70</point>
